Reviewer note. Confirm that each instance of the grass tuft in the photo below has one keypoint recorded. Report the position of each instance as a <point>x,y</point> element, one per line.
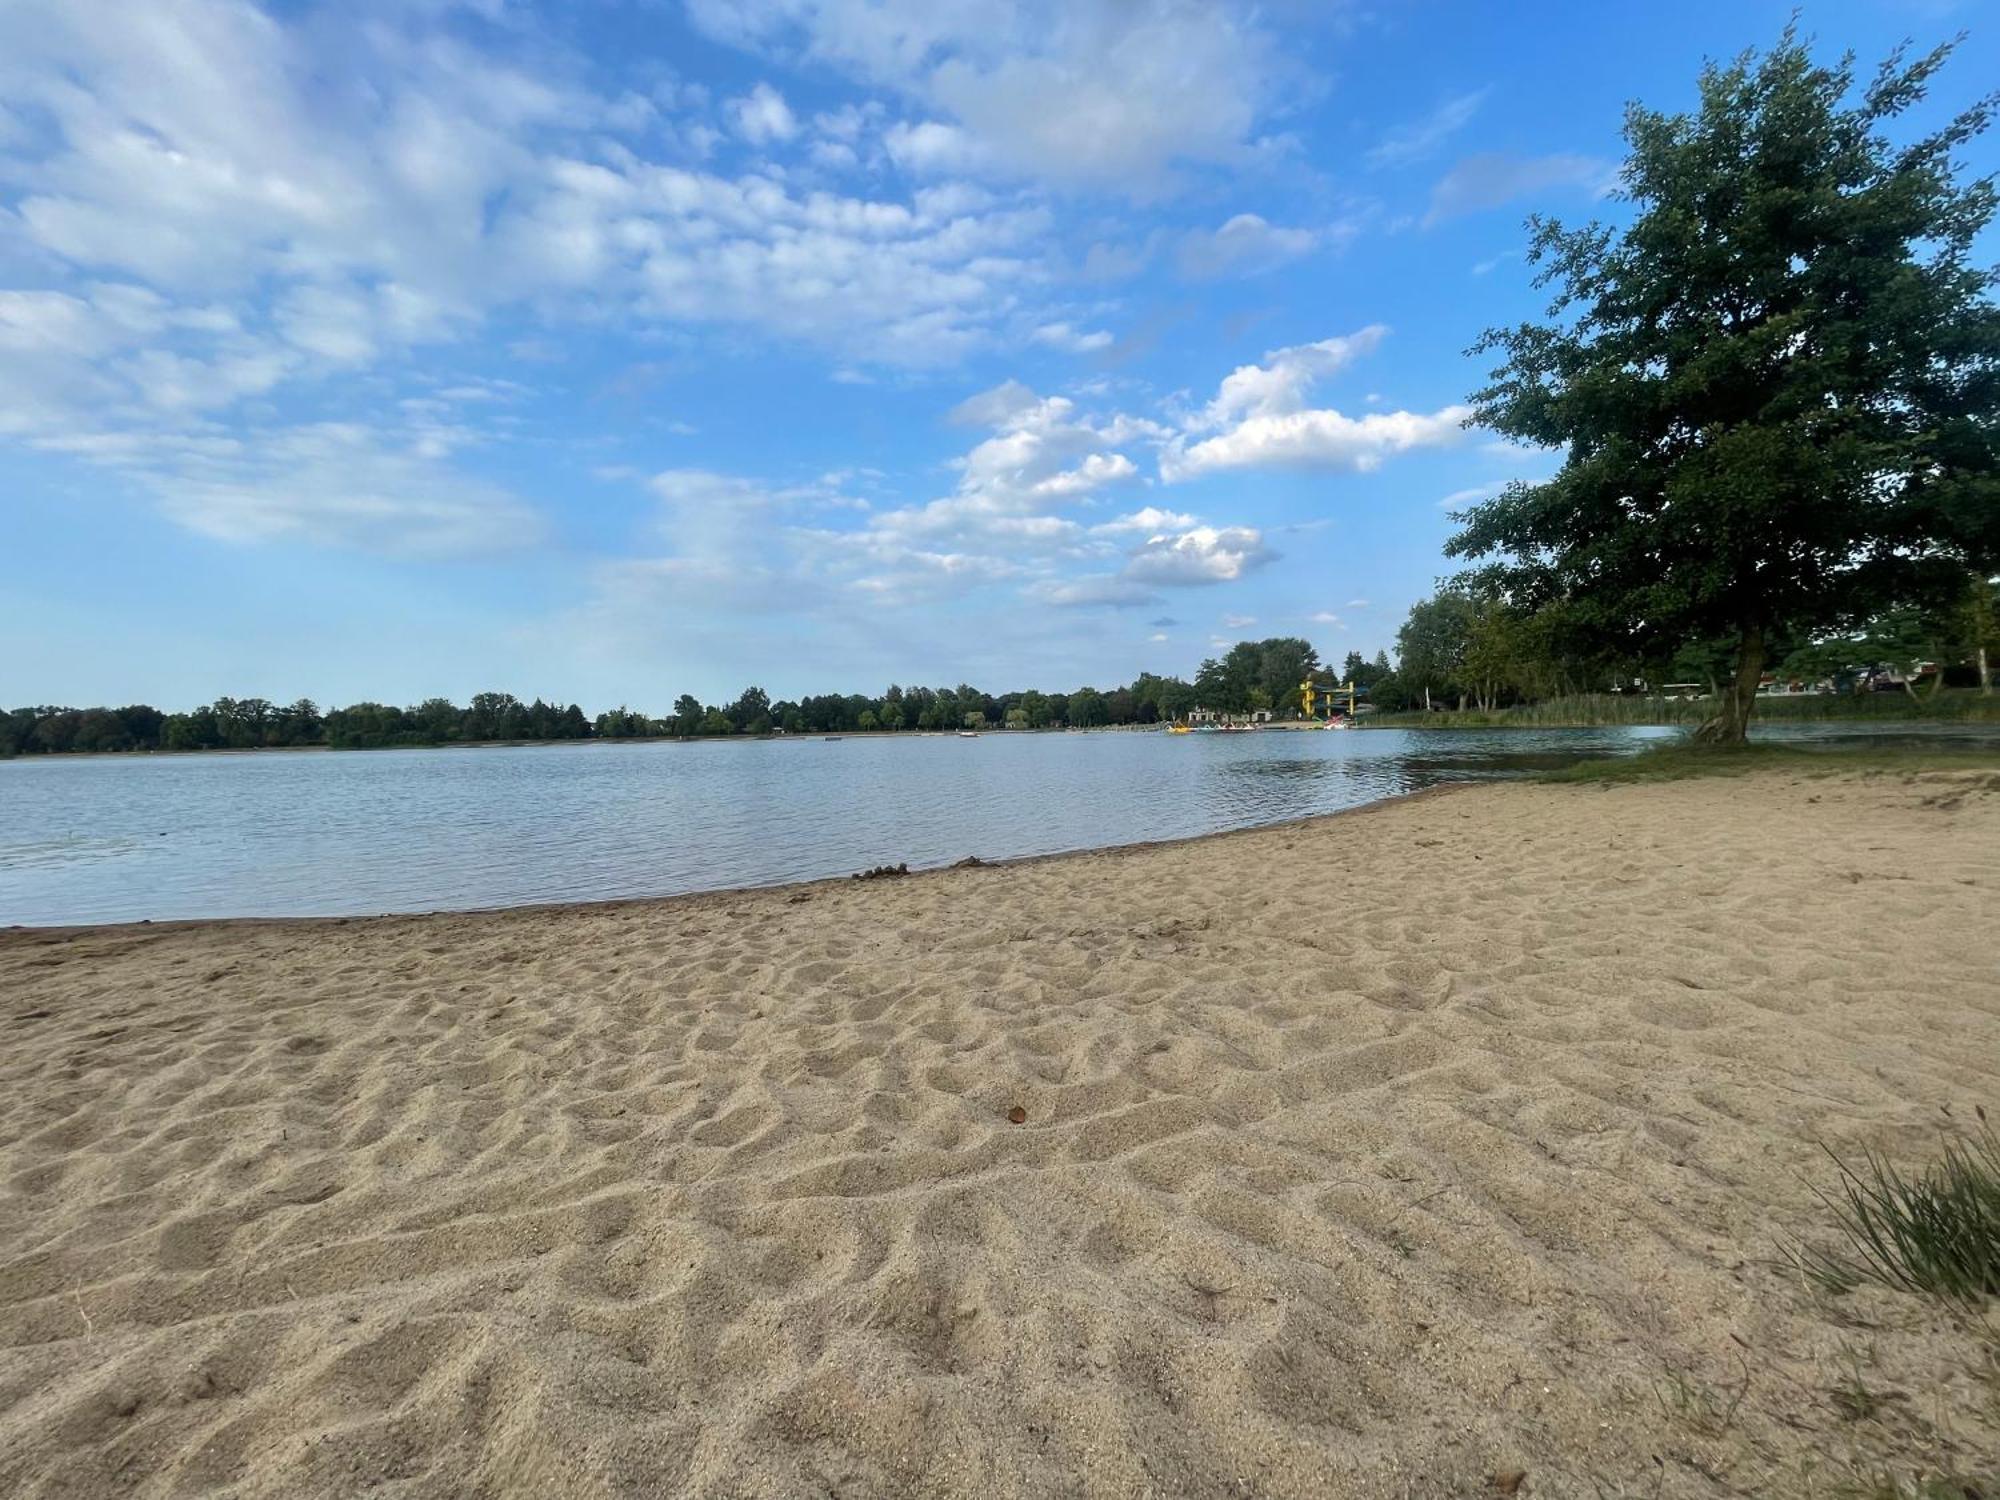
<point>1936,1234</point>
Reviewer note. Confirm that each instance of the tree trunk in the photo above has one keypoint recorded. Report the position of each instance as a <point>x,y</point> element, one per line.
<point>1985,674</point>
<point>1730,724</point>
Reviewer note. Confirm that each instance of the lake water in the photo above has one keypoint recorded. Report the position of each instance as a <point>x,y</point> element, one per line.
<point>119,838</point>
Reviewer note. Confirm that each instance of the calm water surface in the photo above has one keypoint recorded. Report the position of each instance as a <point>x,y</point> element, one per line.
<point>110,838</point>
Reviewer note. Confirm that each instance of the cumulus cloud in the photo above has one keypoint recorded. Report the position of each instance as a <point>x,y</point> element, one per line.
<point>1318,440</point>
<point>1018,515</point>
<point>1043,455</point>
<point>995,407</point>
<point>1243,246</point>
<point>1149,520</point>
<point>1259,418</point>
<point>1280,384</point>
<point>762,116</point>
<point>1199,555</point>
<point>1493,178</point>
<point>931,148</point>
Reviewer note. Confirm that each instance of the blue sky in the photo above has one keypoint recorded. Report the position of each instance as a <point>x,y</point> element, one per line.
<point>611,351</point>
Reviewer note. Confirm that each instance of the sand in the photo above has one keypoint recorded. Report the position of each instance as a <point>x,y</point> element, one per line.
<point>1390,1154</point>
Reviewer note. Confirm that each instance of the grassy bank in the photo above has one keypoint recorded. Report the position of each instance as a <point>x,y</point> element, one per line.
<point>1590,710</point>
<point>1677,762</point>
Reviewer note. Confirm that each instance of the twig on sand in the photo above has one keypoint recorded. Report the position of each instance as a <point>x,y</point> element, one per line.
<point>76,1296</point>
<point>1224,1291</point>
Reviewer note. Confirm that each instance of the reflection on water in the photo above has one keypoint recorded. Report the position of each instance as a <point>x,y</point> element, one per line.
<point>99,839</point>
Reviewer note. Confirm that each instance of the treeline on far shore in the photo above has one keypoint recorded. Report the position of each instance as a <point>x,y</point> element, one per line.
<point>1461,660</point>
<point>258,724</point>
<point>1251,675</point>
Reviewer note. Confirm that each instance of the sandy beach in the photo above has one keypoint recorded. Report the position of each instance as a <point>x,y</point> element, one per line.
<point>1443,1149</point>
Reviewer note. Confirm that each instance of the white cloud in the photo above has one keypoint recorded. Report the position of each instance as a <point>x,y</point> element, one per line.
<point>1091,93</point>
<point>1149,520</point>
<point>1157,636</point>
<point>1018,515</point>
<point>1201,554</point>
<point>226,230</point>
<point>845,123</point>
<point>834,156</point>
<point>464,185</point>
<point>931,148</point>
<point>1492,178</point>
<point>1318,440</point>
<point>335,484</point>
<point>1416,141</point>
<point>1243,246</point>
<point>762,117</point>
<point>1238,622</point>
<point>1357,603</point>
<point>1096,589</point>
<point>1259,419</point>
<point>1072,340</point>
<point>995,407</point>
<point>1325,617</point>
<point>1041,455</point>
<point>1280,384</point>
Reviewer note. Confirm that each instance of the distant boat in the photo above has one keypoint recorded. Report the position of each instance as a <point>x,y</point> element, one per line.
<point>968,734</point>
<point>832,736</point>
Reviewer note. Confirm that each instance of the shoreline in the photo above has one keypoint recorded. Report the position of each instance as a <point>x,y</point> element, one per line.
<point>1839,762</point>
<point>1442,720</point>
<point>1343,1165</point>
<point>715,893</point>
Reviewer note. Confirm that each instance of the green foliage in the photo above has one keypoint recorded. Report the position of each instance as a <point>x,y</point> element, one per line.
<point>1937,1233</point>
<point>1087,709</point>
<point>1775,391</point>
<point>1595,710</point>
<point>1431,647</point>
<point>1255,675</point>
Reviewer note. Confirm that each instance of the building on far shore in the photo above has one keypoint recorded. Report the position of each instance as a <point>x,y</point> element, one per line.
<point>1200,715</point>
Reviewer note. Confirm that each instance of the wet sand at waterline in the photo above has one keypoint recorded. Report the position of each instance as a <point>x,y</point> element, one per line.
<point>1376,1156</point>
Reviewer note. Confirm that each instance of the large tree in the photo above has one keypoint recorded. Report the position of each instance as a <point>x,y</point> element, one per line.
<point>1775,390</point>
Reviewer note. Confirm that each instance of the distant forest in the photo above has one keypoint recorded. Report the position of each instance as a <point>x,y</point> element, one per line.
<point>1459,650</point>
<point>1252,675</point>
